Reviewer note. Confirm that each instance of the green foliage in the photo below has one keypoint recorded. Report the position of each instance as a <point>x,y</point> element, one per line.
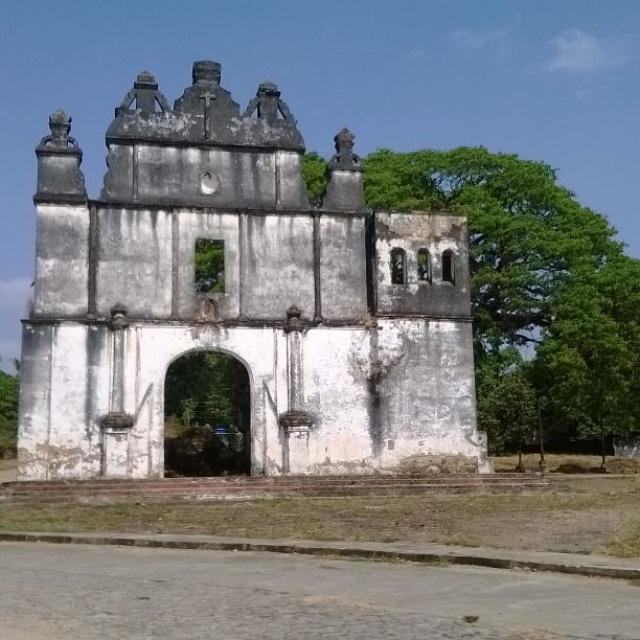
<point>314,169</point>
<point>207,387</point>
<point>204,390</point>
<point>209,266</point>
<point>588,361</point>
<point>506,401</point>
<point>9,390</point>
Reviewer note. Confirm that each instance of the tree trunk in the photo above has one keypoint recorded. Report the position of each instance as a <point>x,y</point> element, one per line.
<point>603,463</point>
<point>542,464</point>
<point>520,465</point>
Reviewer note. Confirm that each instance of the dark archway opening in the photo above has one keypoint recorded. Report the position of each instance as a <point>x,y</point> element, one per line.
<point>207,409</point>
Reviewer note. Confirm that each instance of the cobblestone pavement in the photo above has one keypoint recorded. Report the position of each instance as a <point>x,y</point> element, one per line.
<point>72,592</point>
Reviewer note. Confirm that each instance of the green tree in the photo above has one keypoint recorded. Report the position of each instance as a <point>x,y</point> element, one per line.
<point>9,391</point>
<point>506,402</point>
<point>314,168</point>
<point>204,390</point>
<point>209,266</point>
<point>207,388</point>
<point>588,363</point>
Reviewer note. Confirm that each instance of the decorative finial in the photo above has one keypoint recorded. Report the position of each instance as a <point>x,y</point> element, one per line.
<point>145,94</point>
<point>268,105</point>
<point>344,158</point>
<point>59,158</point>
<point>206,72</point>
<point>268,89</point>
<point>345,188</point>
<point>294,322</point>
<point>60,126</point>
<point>293,312</point>
<point>145,80</point>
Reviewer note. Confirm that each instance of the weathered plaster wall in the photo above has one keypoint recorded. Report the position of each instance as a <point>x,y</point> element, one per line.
<point>204,176</point>
<point>343,285</point>
<point>245,179</point>
<point>65,388</point>
<point>62,260</point>
<point>377,396</point>
<point>145,261</point>
<point>277,265</point>
<point>188,227</point>
<point>384,394</point>
<point>411,232</point>
<point>133,262</point>
<point>427,394</point>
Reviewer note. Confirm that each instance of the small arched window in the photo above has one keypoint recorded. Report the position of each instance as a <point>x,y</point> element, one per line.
<point>398,266</point>
<point>448,267</point>
<point>424,265</point>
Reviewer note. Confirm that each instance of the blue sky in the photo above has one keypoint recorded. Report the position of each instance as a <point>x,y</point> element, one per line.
<point>547,79</point>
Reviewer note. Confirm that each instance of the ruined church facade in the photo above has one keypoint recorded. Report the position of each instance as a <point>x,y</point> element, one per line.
<point>354,326</point>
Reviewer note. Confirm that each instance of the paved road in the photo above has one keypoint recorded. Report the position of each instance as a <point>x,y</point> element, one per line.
<point>71,592</point>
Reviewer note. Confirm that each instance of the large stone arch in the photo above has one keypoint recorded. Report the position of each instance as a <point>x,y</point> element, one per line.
<point>230,354</point>
<point>157,346</point>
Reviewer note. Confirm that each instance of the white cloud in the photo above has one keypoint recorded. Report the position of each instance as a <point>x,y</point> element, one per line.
<point>577,51</point>
<point>415,54</point>
<point>494,42</point>
<point>14,294</point>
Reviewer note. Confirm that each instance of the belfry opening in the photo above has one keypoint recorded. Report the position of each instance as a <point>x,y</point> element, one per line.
<point>207,416</point>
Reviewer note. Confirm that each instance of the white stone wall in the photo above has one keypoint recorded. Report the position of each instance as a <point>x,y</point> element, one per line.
<point>418,371</point>
<point>62,260</point>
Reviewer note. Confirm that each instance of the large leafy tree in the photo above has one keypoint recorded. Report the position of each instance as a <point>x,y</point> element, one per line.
<point>507,410</point>
<point>588,362</point>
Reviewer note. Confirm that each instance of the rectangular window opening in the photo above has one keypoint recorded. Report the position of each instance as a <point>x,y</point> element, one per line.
<point>209,266</point>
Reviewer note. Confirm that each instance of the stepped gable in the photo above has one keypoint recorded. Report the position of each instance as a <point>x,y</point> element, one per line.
<point>205,114</point>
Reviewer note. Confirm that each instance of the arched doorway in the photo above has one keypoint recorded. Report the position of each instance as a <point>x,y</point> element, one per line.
<point>207,413</point>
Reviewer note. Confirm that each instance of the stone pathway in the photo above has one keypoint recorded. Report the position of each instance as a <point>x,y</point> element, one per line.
<point>569,563</point>
<point>81,592</point>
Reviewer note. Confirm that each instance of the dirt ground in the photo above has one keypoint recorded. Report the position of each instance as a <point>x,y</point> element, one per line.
<point>567,463</point>
<point>578,514</point>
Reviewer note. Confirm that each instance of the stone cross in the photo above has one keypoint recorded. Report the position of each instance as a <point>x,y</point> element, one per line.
<point>207,96</point>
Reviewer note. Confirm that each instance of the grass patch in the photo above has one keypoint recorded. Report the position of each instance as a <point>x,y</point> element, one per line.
<point>595,518</point>
<point>628,545</point>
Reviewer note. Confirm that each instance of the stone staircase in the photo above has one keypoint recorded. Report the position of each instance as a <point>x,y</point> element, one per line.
<point>230,488</point>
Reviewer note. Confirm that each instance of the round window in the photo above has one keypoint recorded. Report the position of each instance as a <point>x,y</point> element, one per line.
<point>208,184</point>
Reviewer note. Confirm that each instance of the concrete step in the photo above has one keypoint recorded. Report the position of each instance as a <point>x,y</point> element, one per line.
<point>282,481</point>
<point>150,490</point>
<point>219,489</point>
